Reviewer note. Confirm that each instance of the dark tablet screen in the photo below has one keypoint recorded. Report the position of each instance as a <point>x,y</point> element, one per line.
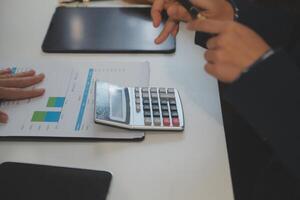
<point>19,181</point>
<point>104,30</point>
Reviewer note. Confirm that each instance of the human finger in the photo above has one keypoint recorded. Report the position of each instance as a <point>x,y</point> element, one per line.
<point>157,8</point>
<point>21,74</point>
<point>169,27</point>
<point>179,13</point>
<point>175,31</point>
<point>5,71</point>
<point>3,117</point>
<point>210,56</point>
<point>21,82</point>
<point>17,93</point>
<point>224,73</point>
<point>212,43</point>
<point>220,56</point>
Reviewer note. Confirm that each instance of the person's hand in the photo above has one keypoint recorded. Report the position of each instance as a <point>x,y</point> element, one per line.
<point>232,51</point>
<point>12,87</point>
<point>213,9</point>
<point>171,26</point>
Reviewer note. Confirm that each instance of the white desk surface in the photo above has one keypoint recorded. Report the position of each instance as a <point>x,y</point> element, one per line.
<point>193,165</point>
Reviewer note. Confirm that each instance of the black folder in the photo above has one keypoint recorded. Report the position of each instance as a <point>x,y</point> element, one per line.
<point>104,30</point>
<point>20,181</point>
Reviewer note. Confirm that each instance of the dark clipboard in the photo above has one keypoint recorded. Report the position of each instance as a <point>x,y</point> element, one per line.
<point>104,30</point>
<point>35,182</point>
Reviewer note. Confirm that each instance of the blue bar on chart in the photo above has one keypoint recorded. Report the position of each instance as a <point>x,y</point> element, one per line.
<point>84,99</point>
<point>56,102</point>
<point>52,116</point>
<point>44,116</point>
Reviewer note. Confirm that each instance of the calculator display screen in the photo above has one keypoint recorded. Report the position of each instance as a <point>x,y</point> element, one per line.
<point>112,103</point>
<point>116,104</point>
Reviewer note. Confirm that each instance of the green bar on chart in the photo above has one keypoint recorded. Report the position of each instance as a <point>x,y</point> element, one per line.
<point>51,102</point>
<point>39,116</point>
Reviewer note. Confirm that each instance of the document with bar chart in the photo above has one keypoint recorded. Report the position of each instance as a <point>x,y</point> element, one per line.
<point>67,108</point>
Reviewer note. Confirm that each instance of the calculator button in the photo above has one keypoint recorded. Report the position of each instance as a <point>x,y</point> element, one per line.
<point>174,114</point>
<point>171,95</point>
<point>165,114</point>
<point>154,101</point>
<point>171,90</point>
<point>147,113</point>
<point>147,107</point>
<point>137,89</point>
<point>173,102</point>
<point>163,102</point>
<point>144,89</point>
<point>145,95</point>
<point>166,121</point>
<point>173,108</point>
<point>153,90</point>
<point>137,100</point>
<point>137,95</point>
<point>155,107</point>
<point>138,108</point>
<point>148,121</point>
<point>146,101</point>
<point>156,121</point>
<point>163,96</point>
<point>162,90</point>
<point>175,122</point>
<point>154,95</point>
<point>164,108</point>
<point>156,114</point>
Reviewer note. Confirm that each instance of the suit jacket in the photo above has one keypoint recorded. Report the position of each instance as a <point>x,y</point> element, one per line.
<point>261,110</point>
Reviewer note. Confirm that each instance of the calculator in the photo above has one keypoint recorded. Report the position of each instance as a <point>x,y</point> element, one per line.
<point>138,108</point>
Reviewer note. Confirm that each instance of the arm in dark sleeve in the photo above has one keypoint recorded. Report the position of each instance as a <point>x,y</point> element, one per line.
<point>268,97</point>
<point>260,23</point>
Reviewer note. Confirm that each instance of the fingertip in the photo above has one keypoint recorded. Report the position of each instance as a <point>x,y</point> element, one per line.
<point>42,75</point>
<point>156,20</point>
<point>5,71</point>
<point>6,120</point>
<point>156,41</point>
<point>156,24</point>
<point>42,90</point>
<point>38,92</point>
<point>3,118</point>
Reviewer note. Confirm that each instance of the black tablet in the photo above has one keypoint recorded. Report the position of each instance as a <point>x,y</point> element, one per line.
<point>20,181</point>
<point>104,30</point>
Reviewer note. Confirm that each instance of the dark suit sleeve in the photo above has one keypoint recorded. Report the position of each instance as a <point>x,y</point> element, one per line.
<point>268,97</point>
<point>260,23</point>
